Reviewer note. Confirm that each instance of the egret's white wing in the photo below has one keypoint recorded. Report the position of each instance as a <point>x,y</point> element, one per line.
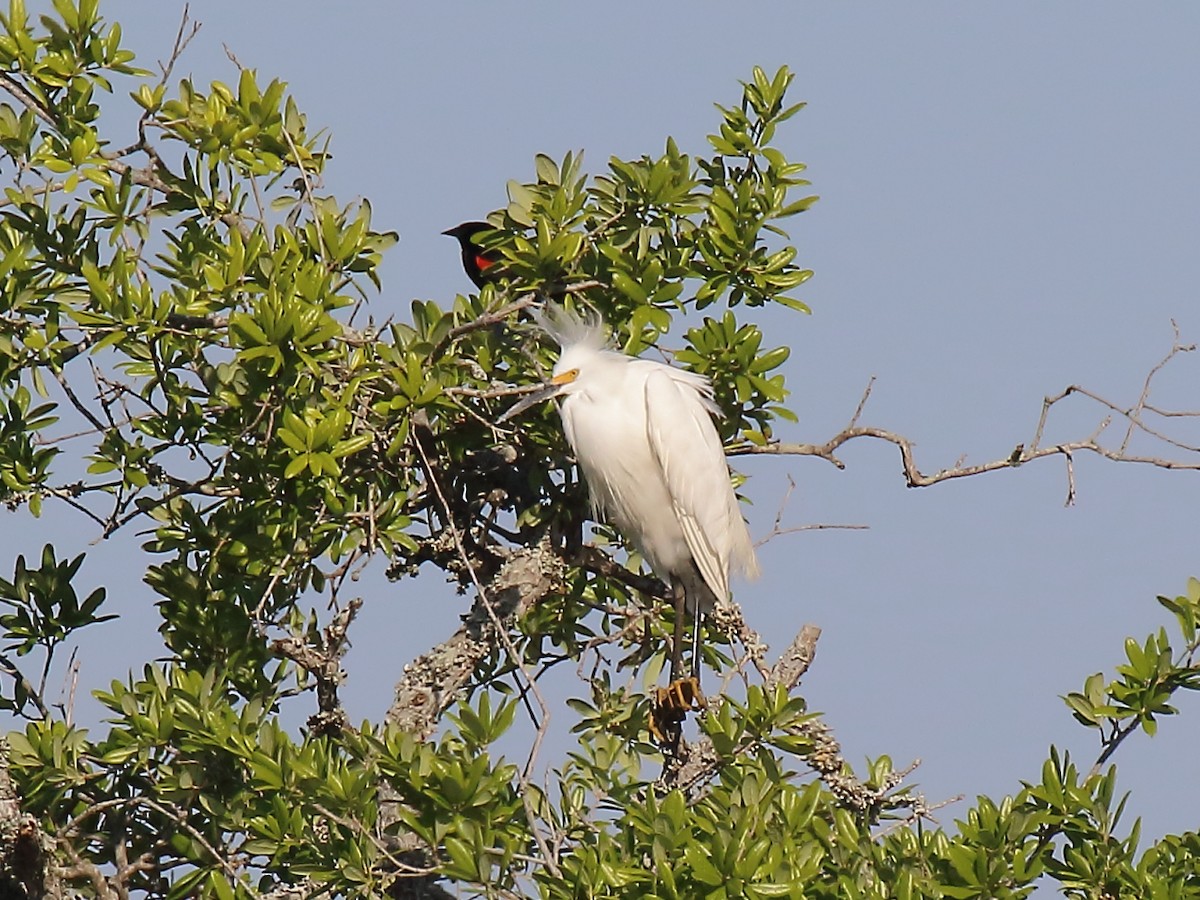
<point>688,450</point>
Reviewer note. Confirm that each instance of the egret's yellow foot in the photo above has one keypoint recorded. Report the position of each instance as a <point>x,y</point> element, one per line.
<point>671,706</point>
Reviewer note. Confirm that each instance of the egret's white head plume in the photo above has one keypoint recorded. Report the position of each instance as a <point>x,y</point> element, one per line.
<point>569,328</point>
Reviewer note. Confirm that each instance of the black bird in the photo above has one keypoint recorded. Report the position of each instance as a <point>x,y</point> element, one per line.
<point>480,264</point>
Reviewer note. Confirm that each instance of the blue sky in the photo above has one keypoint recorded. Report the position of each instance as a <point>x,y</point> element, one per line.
<point>1010,204</point>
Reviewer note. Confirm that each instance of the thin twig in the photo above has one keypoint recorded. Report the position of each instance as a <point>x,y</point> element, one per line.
<point>862,403</point>
<point>1134,415</point>
<point>308,194</point>
<point>26,97</point>
<point>11,669</point>
<point>777,529</point>
<point>484,321</point>
<point>77,403</point>
<point>1070,478</point>
<point>362,830</point>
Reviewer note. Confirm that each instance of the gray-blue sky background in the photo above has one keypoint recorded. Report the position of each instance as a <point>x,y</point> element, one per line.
<point>1010,204</point>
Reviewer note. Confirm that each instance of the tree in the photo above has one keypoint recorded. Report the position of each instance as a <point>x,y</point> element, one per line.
<point>188,299</point>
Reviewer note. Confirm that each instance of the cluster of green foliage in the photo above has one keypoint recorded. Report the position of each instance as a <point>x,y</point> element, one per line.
<point>187,300</point>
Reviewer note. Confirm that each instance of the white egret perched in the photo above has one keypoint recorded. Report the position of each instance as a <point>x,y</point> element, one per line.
<point>643,434</point>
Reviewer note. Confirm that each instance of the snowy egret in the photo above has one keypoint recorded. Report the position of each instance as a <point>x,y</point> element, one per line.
<point>475,259</point>
<point>643,434</point>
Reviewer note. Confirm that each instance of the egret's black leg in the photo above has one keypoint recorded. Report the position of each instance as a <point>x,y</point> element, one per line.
<point>682,695</point>
<point>680,597</point>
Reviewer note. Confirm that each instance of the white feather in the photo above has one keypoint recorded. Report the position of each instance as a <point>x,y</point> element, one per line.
<point>643,435</point>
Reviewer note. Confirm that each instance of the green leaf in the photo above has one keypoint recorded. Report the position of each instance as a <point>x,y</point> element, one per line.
<point>701,866</point>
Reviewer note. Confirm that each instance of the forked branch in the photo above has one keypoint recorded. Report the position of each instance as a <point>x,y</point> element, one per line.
<point>1185,455</point>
